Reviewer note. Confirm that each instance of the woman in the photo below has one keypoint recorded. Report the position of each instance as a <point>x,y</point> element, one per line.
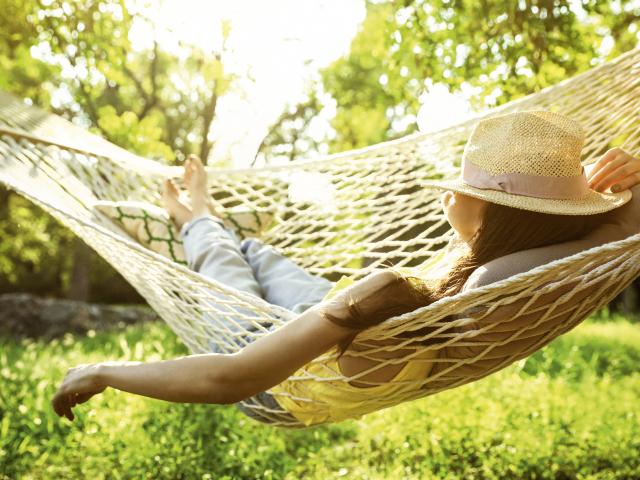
<point>511,197</point>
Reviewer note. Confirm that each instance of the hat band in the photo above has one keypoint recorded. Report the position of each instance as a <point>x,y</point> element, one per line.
<point>525,184</point>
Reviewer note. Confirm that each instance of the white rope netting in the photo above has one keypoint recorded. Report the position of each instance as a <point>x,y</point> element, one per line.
<point>379,215</point>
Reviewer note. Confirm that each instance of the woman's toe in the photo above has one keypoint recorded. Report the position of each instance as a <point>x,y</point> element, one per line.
<point>170,188</point>
<point>188,171</point>
<point>165,191</point>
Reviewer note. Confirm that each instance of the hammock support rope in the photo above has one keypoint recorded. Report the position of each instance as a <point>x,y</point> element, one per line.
<point>381,215</point>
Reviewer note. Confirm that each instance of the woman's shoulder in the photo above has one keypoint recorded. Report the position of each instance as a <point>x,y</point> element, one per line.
<point>525,260</point>
<point>344,282</point>
<point>627,216</point>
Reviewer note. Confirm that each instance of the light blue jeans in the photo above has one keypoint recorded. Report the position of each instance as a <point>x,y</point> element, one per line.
<point>251,266</point>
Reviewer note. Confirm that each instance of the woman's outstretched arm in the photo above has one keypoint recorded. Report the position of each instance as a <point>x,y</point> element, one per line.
<point>223,378</point>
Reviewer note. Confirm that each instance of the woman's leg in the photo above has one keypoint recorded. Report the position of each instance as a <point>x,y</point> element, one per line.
<point>283,281</point>
<point>250,265</point>
<point>214,251</point>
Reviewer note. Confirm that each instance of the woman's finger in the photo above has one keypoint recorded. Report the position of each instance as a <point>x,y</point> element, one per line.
<point>61,406</point>
<point>63,403</point>
<point>628,182</point>
<point>197,160</point>
<point>67,408</point>
<point>55,404</point>
<point>618,175</point>
<point>604,169</point>
<point>613,167</point>
<point>606,158</point>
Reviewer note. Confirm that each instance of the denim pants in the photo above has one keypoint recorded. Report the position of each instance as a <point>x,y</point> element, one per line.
<point>251,266</point>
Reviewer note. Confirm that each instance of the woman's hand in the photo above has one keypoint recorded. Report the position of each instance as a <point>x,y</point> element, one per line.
<point>79,385</point>
<point>616,169</point>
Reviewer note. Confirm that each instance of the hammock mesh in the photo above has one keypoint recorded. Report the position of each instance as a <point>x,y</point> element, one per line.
<point>380,216</point>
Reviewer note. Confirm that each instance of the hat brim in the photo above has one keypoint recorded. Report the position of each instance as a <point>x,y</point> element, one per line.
<point>594,202</point>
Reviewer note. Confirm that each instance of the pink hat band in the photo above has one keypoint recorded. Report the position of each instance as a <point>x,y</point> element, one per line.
<point>526,184</point>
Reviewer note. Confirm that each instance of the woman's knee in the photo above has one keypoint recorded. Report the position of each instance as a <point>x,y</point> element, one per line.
<point>250,245</point>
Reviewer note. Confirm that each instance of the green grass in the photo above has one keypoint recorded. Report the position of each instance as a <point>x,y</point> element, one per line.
<point>570,411</point>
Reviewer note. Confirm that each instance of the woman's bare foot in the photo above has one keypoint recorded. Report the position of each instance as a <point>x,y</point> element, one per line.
<point>178,211</point>
<point>195,179</point>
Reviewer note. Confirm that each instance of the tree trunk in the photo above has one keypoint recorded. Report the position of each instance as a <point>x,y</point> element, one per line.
<point>80,284</point>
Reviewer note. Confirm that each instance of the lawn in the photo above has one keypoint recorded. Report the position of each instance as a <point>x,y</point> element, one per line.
<point>570,411</point>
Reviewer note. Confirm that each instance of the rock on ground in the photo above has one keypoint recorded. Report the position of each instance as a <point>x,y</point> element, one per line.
<point>25,315</point>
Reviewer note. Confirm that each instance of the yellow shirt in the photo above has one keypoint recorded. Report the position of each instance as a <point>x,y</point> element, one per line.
<point>317,393</point>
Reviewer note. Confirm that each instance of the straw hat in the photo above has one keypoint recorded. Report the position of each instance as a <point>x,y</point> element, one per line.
<point>530,160</point>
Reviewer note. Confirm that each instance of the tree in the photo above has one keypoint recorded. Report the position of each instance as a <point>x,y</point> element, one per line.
<point>499,50</point>
<point>502,49</point>
<point>158,103</point>
<point>289,135</point>
<point>76,58</point>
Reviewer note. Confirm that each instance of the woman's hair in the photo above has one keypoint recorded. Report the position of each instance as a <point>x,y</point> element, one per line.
<point>503,230</point>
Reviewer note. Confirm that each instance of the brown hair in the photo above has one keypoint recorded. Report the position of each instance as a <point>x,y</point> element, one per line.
<point>503,230</point>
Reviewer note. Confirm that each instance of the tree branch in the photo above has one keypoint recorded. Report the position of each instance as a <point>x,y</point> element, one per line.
<point>208,115</point>
<point>153,72</point>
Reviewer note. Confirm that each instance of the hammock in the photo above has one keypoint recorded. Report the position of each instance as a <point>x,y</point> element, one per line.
<point>383,216</point>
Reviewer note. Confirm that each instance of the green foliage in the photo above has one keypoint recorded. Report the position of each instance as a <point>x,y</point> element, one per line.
<point>536,419</point>
<point>502,49</point>
<point>354,82</point>
<point>143,136</point>
<point>19,71</point>
<point>30,247</point>
<point>36,255</point>
<point>155,101</point>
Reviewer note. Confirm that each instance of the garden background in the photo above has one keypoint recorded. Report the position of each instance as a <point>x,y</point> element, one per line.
<point>252,83</point>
